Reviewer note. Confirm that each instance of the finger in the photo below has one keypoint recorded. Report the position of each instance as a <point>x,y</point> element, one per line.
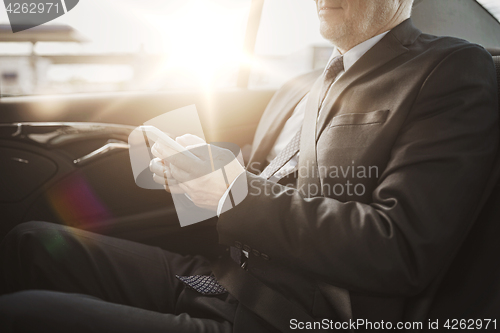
<point>162,151</point>
<point>200,150</point>
<point>168,173</point>
<point>180,174</point>
<point>169,183</point>
<point>194,146</point>
<point>163,172</point>
<point>189,140</point>
<point>160,180</point>
<point>157,166</point>
<point>170,155</point>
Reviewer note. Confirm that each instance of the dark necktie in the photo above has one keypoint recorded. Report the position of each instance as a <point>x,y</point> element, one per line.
<point>292,148</point>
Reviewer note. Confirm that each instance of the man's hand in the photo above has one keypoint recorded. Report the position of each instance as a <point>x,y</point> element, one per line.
<point>162,175</point>
<point>161,168</point>
<point>202,178</point>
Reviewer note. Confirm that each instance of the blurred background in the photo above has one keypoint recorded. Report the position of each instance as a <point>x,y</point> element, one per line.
<point>134,45</point>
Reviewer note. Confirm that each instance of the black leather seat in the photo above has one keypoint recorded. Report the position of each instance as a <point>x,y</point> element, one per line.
<point>496,60</point>
<point>471,287</point>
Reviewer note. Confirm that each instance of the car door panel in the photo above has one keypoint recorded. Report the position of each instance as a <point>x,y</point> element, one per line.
<point>223,114</point>
<point>100,195</point>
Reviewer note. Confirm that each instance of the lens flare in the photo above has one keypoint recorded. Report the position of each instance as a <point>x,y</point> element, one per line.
<point>76,204</point>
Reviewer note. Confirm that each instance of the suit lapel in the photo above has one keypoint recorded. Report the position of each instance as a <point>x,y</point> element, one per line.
<point>273,122</point>
<point>390,47</point>
<point>380,54</point>
<point>383,52</point>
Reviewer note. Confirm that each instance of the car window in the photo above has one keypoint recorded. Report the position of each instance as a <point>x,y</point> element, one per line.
<point>115,45</point>
<point>124,45</point>
<point>493,6</point>
<point>288,43</point>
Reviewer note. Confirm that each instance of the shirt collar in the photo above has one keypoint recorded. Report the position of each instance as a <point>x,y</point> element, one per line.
<point>354,54</point>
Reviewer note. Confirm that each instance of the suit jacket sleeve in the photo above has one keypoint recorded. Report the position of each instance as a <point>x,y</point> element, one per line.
<point>422,207</point>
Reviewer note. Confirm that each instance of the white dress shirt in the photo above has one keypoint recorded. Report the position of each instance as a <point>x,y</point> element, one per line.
<point>294,123</point>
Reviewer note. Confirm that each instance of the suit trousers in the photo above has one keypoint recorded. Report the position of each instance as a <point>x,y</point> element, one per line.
<point>55,278</point>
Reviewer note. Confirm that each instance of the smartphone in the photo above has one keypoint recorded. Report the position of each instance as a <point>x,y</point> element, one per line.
<point>156,135</point>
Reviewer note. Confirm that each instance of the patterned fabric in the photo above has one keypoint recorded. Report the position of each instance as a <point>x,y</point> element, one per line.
<point>292,148</point>
<point>332,71</point>
<point>204,284</point>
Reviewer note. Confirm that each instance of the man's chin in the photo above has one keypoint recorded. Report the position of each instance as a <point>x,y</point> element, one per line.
<point>333,35</point>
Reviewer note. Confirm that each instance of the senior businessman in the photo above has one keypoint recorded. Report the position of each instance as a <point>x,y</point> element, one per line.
<point>363,181</point>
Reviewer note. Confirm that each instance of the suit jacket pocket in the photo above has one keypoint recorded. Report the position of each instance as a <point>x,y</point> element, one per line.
<point>349,119</point>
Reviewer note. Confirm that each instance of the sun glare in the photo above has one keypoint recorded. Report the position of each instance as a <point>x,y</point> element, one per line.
<point>203,39</point>
<point>153,45</point>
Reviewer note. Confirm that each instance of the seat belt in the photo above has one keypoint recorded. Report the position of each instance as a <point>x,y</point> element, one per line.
<point>267,303</point>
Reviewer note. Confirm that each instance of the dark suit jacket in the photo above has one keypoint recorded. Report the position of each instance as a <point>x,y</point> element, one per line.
<point>420,112</point>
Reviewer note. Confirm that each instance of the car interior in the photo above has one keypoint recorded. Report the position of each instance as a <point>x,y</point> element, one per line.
<point>64,157</point>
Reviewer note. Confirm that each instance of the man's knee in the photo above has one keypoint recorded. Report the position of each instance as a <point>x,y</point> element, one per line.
<point>13,310</point>
<point>29,226</point>
<point>26,236</point>
<point>36,310</point>
<point>28,250</point>
<point>19,311</point>
<point>17,305</point>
